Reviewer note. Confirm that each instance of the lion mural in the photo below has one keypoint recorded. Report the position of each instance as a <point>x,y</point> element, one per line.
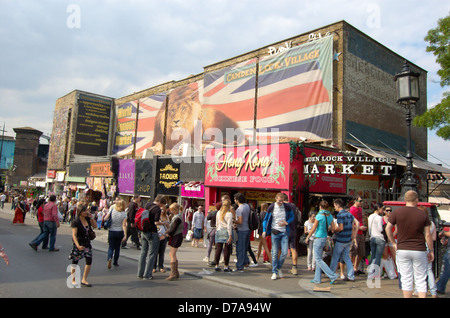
<point>185,115</point>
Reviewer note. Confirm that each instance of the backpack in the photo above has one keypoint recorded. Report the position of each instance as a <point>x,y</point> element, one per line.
<point>142,220</point>
<point>253,220</point>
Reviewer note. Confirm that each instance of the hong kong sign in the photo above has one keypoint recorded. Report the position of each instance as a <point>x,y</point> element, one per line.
<point>263,166</point>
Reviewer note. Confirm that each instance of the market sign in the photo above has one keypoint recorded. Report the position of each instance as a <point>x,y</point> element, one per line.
<point>349,165</point>
<point>263,166</point>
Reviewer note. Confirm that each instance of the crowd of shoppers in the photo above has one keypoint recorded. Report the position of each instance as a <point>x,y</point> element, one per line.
<point>400,240</point>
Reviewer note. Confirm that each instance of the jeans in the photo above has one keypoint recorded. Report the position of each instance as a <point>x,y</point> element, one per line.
<point>342,251</point>
<point>49,233</point>
<point>319,244</point>
<point>376,250</point>
<point>159,260</point>
<point>445,274</point>
<point>241,249</point>
<point>279,241</point>
<point>45,241</point>
<point>150,246</point>
<point>114,241</point>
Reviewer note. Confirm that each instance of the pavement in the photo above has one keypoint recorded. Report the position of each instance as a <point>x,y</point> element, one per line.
<point>257,279</point>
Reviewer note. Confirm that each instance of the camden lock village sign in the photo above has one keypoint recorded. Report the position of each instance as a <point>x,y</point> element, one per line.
<point>349,165</point>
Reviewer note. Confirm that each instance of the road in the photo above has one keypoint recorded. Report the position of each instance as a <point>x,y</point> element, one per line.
<point>32,274</point>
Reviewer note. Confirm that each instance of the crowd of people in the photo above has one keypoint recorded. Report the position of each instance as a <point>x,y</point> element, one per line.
<point>334,236</point>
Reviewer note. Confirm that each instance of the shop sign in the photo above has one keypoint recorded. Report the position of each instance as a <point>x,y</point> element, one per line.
<point>321,182</point>
<point>143,181</point>
<point>167,175</point>
<point>51,174</point>
<point>126,176</point>
<point>196,191</point>
<point>349,165</point>
<point>101,170</point>
<point>263,166</point>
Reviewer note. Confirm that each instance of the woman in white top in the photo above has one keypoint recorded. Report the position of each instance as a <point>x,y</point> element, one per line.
<point>224,234</point>
<point>117,233</point>
<point>377,241</point>
<point>311,262</point>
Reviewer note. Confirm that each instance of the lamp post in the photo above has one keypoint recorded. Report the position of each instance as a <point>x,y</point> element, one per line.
<point>407,85</point>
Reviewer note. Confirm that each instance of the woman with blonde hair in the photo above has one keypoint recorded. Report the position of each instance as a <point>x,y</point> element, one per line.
<point>116,232</point>
<point>224,234</point>
<point>175,234</point>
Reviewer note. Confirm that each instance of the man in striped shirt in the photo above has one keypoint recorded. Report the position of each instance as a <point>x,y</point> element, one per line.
<point>346,233</point>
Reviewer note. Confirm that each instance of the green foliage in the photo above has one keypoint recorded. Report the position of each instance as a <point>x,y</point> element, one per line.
<point>438,118</point>
<point>439,39</point>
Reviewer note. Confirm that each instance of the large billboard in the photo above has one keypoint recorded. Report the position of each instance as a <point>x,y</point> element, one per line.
<point>93,120</point>
<point>278,97</point>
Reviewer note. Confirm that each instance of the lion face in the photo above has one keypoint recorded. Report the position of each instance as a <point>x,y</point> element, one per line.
<point>182,114</point>
<point>184,111</point>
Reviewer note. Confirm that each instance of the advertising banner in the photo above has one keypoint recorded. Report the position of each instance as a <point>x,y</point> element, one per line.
<point>126,176</point>
<point>298,82</point>
<point>125,128</point>
<point>231,90</point>
<point>92,132</point>
<point>263,166</point>
<point>148,109</point>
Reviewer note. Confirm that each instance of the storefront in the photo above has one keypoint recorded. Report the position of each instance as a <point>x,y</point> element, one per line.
<point>192,179</point>
<point>125,179</point>
<point>259,172</point>
<point>167,177</point>
<point>100,183</point>
<point>144,179</point>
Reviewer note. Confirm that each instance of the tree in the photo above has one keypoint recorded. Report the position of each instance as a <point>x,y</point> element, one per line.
<point>438,117</point>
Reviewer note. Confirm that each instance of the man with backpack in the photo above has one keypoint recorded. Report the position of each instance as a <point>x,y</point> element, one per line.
<point>145,222</point>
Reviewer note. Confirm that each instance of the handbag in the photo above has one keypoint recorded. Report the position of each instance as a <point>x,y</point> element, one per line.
<point>91,234</point>
<point>108,222</point>
<point>329,244</point>
<point>302,239</point>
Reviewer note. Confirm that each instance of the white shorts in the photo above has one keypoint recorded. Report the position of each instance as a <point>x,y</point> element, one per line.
<point>412,266</point>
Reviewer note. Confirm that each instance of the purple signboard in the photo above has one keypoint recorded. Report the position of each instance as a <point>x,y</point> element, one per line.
<point>126,176</point>
<point>195,191</point>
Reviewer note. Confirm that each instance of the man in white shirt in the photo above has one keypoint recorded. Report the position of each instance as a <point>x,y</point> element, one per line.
<point>377,240</point>
<point>3,199</point>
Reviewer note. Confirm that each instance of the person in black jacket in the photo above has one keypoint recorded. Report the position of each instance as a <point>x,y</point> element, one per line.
<point>131,227</point>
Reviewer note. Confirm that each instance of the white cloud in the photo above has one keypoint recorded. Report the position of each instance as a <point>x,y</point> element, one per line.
<point>127,46</point>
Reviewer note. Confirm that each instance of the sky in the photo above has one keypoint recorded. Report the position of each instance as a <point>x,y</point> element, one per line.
<point>48,48</point>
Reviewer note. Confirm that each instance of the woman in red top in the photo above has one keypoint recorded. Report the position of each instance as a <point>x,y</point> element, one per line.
<point>40,217</point>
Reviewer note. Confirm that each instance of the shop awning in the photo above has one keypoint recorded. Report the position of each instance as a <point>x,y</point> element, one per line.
<point>439,200</point>
<point>401,161</point>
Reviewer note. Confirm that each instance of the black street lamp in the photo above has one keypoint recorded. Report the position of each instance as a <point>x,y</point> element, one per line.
<point>407,84</point>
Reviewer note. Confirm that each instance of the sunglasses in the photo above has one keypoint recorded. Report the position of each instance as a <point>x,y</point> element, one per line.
<point>388,210</point>
<point>360,200</point>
